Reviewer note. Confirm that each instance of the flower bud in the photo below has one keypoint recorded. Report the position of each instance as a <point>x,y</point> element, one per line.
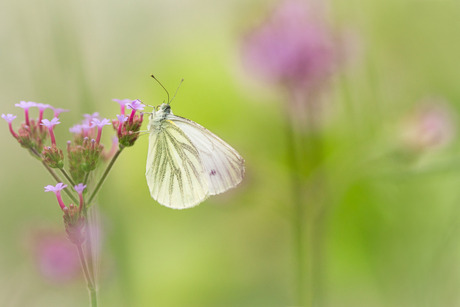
<point>53,157</point>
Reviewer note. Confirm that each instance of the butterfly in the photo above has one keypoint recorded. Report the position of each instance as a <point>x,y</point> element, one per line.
<point>186,163</point>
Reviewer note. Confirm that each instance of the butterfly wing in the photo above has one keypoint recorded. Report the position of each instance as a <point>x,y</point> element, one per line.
<point>174,172</point>
<point>223,166</point>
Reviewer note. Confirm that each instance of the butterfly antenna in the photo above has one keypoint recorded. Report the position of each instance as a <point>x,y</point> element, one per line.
<point>161,86</point>
<point>182,80</point>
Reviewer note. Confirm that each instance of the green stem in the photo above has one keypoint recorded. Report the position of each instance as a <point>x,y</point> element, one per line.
<point>66,175</point>
<point>53,174</point>
<point>297,217</point>
<point>86,178</point>
<point>89,282</point>
<point>106,172</point>
<point>89,247</point>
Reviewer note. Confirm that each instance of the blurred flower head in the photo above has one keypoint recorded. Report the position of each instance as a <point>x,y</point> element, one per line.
<point>292,46</point>
<point>56,257</point>
<point>430,125</point>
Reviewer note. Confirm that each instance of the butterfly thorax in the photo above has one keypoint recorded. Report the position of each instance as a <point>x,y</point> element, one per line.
<point>157,117</point>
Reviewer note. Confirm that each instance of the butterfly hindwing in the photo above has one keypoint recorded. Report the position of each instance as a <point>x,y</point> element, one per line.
<point>222,164</point>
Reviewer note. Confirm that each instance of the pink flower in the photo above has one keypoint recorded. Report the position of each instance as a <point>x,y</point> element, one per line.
<point>123,103</point>
<point>99,124</point>
<point>26,105</point>
<point>50,125</point>
<point>90,117</point>
<point>121,119</point>
<point>58,111</point>
<point>41,108</point>
<point>9,119</point>
<point>77,129</point>
<point>135,105</point>
<point>80,188</point>
<point>291,47</point>
<point>57,191</point>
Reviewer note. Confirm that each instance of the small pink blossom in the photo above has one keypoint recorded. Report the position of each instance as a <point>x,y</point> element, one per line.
<point>26,105</point>
<point>9,119</point>
<point>99,124</point>
<point>50,125</point>
<point>77,129</point>
<point>41,108</point>
<point>135,105</point>
<point>121,119</point>
<point>80,188</point>
<point>90,117</point>
<point>123,103</point>
<point>58,111</point>
<point>57,191</point>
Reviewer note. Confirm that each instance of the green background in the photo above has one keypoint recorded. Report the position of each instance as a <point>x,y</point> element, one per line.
<point>393,229</point>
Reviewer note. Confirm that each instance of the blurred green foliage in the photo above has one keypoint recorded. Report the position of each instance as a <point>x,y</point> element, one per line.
<point>392,232</point>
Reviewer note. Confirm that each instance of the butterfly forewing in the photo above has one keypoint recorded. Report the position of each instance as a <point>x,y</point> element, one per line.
<point>222,165</point>
<point>175,173</point>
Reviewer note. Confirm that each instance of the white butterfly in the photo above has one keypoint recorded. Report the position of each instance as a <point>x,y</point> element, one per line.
<point>186,163</point>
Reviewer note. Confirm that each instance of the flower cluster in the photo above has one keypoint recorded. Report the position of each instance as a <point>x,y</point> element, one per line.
<point>84,153</point>
<point>128,126</point>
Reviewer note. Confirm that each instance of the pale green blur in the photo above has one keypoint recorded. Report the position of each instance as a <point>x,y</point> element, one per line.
<point>393,229</point>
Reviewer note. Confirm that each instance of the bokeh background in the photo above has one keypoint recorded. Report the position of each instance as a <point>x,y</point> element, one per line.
<point>392,229</point>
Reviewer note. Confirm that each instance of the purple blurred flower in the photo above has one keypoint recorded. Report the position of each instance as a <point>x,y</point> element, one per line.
<point>57,257</point>
<point>77,129</point>
<point>291,47</point>
<point>79,188</point>
<point>58,111</point>
<point>123,103</point>
<point>431,125</point>
<point>122,118</point>
<point>90,117</point>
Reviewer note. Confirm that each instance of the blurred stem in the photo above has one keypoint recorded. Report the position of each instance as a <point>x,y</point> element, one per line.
<point>305,156</point>
<point>86,178</point>
<point>66,175</point>
<point>312,151</point>
<point>89,248</point>
<point>53,174</point>
<point>89,282</point>
<point>297,215</point>
<point>106,172</point>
